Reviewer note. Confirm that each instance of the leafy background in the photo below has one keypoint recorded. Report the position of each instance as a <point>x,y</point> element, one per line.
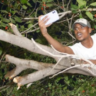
<point>15,11</point>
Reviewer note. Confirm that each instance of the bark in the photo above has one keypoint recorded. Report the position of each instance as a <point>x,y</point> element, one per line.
<point>15,30</point>
<point>23,41</point>
<point>62,64</point>
<point>67,64</point>
<point>22,64</point>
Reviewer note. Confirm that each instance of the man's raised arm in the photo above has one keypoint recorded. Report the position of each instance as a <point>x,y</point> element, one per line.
<point>58,46</point>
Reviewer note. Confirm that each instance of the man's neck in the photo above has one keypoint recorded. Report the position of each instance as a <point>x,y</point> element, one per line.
<point>88,43</point>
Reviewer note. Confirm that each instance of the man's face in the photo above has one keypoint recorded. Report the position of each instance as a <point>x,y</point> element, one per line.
<point>81,32</point>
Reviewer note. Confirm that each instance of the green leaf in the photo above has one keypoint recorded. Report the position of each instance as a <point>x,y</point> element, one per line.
<point>24,7</point>
<point>22,28</point>
<point>49,0</point>
<point>29,4</point>
<point>49,5</point>
<point>80,15</point>
<point>12,21</point>
<point>90,15</point>
<point>81,3</point>
<point>17,19</point>
<point>28,22</point>
<point>1,50</point>
<point>66,78</point>
<point>39,40</point>
<point>23,1</point>
<point>5,20</point>
<point>44,0</point>
<point>35,1</point>
<point>4,11</point>
<point>74,7</point>
<point>13,12</point>
<point>2,24</point>
<point>30,25</point>
<point>0,94</point>
<point>78,90</point>
<point>38,31</point>
<point>74,11</point>
<point>93,4</point>
<point>95,26</point>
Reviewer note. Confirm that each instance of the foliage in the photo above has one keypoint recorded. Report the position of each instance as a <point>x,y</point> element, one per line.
<point>14,11</point>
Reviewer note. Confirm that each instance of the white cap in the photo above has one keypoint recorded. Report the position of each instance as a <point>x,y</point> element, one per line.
<point>82,22</point>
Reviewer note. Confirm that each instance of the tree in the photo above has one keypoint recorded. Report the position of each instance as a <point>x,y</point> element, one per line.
<point>26,21</point>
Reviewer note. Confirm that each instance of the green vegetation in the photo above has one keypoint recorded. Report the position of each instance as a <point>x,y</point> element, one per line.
<point>15,11</point>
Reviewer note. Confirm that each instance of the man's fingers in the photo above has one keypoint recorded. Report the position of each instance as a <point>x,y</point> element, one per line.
<point>45,20</point>
<point>39,18</point>
<point>46,17</point>
<point>42,22</point>
<point>48,25</point>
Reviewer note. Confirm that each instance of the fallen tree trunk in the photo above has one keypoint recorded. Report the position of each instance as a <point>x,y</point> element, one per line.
<point>66,63</point>
<point>23,41</point>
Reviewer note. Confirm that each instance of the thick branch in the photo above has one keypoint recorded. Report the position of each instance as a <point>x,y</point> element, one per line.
<point>62,64</point>
<point>65,64</point>
<point>25,43</point>
<point>22,64</point>
<point>84,69</point>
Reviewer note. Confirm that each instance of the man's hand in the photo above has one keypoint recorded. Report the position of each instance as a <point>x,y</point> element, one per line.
<point>42,25</point>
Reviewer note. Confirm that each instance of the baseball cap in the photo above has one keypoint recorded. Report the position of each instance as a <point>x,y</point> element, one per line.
<point>82,22</point>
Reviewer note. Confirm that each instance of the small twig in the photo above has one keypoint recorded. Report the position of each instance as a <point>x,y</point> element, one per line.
<point>26,31</point>
<point>63,5</point>
<point>3,87</point>
<point>71,42</point>
<point>36,13</point>
<point>44,8</point>
<point>30,31</point>
<point>90,9</point>
<point>71,35</point>
<point>33,9</point>
<point>68,4</point>
<point>64,13</point>
<point>3,56</point>
<point>30,18</point>
<point>68,19</point>
<point>58,2</point>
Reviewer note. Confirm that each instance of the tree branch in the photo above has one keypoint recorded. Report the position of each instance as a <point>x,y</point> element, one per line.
<point>31,46</point>
<point>15,30</point>
<point>22,64</point>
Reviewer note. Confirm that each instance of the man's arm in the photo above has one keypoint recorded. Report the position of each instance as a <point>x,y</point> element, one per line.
<point>58,46</point>
<point>93,61</point>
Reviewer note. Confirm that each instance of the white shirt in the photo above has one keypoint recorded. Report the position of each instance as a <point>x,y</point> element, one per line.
<point>86,53</point>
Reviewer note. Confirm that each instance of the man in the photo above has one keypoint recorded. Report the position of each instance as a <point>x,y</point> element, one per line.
<point>86,48</point>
